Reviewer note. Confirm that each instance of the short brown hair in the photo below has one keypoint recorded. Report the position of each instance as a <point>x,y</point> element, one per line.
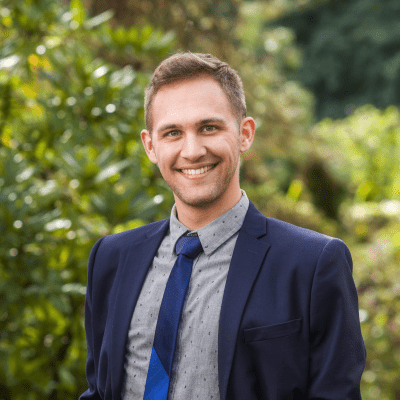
<point>189,65</point>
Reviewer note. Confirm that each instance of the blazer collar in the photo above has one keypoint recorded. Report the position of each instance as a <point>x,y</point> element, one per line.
<point>247,259</point>
<point>129,280</point>
<point>255,224</point>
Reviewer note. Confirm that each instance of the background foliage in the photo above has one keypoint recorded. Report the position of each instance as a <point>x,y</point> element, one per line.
<point>351,53</point>
<point>72,168</point>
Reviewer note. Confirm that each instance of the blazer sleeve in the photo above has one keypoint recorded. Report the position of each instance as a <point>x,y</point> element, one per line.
<point>337,351</point>
<point>91,366</point>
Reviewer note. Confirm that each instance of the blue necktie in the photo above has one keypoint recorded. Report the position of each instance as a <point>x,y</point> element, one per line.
<point>160,367</point>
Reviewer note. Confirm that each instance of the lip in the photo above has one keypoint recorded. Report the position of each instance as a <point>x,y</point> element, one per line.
<point>198,173</point>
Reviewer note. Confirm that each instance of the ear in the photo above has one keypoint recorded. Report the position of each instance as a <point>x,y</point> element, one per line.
<point>247,131</point>
<point>148,145</point>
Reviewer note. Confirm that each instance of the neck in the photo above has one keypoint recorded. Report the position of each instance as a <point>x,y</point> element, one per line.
<point>196,217</point>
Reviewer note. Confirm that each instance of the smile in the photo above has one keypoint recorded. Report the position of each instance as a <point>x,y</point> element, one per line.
<point>198,171</point>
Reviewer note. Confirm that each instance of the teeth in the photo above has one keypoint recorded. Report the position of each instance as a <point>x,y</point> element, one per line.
<point>197,171</point>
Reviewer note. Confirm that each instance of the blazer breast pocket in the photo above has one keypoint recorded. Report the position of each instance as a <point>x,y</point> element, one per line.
<point>273,331</point>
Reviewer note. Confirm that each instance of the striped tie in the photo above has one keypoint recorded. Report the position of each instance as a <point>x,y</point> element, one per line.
<point>160,367</point>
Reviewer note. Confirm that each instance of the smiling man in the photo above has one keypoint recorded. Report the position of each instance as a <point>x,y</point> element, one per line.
<point>218,301</point>
<point>196,139</point>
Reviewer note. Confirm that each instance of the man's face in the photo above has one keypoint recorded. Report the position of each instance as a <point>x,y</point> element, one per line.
<point>196,141</point>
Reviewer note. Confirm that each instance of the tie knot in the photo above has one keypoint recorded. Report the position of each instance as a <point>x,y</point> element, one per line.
<point>190,246</point>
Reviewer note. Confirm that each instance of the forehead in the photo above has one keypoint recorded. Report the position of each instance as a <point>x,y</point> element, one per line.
<point>190,99</point>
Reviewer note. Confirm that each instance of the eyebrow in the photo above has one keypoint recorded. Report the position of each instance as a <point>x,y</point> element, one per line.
<point>202,122</point>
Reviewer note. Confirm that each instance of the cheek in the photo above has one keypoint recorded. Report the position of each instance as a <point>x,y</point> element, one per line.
<point>164,158</point>
<point>227,145</point>
<point>233,148</point>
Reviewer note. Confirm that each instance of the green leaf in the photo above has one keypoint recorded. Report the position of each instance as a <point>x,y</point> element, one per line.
<point>167,39</point>
<point>123,77</point>
<point>99,19</point>
<point>112,170</point>
<point>78,11</point>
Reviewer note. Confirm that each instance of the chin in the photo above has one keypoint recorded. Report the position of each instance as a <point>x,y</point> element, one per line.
<point>198,201</point>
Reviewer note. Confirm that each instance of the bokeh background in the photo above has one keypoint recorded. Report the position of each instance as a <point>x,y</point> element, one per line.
<point>323,82</point>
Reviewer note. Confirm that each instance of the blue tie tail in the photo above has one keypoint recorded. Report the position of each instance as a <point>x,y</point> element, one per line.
<point>160,367</point>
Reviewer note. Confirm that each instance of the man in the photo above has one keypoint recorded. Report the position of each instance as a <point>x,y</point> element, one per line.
<point>217,302</point>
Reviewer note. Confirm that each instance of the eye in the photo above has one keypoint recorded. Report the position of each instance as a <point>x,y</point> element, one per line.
<point>210,128</point>
<point>172,133</point>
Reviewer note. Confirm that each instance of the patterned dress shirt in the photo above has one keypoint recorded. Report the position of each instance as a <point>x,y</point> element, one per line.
<point>195,365</point>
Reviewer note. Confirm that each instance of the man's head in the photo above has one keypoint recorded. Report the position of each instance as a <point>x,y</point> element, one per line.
<point>197,136</point>
<point>188,65</point>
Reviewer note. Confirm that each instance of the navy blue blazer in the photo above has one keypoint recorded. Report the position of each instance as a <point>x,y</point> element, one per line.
<point>289,325</point>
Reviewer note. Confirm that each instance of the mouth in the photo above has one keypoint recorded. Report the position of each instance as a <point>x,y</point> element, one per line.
<point>198,171</point>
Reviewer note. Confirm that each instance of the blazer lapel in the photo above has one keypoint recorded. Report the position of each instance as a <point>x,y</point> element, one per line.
<point>246,261</point>
<point>129,282</point>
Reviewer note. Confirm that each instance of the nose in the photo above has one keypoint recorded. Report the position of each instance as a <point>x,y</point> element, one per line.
<point>193,147</point>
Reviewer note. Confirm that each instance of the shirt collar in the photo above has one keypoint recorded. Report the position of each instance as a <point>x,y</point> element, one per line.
<point>217,232</point>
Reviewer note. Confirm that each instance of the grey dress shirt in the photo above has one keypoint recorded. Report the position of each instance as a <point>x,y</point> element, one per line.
<point>195,366</point>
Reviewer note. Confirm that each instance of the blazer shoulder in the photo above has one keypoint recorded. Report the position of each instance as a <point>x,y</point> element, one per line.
<point>135,235</point>
<point>275,231</point>
<point>119,243</point>
<point>294,236</point>
<point>305,245</point>
<point>110,251</point>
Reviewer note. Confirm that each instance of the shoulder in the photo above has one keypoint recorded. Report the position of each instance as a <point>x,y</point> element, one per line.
<point>110,251</point>
<point>117,243</point>
<point>287,240</point>
<point>134,235</point>
<point>306,244</point>
<point>282,230</point>
<point>276,231</point>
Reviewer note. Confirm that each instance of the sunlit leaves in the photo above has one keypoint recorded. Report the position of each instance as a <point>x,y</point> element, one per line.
<point>367,159</point>
<point>363,151</point>
<point>70,172</point>
<point>99,19</point>
<point>78,11</point>
<point>72,168</point>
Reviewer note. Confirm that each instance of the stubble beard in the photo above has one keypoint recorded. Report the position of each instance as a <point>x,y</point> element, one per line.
<point>214,193</point>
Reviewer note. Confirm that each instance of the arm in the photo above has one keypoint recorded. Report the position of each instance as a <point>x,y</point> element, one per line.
<point>91,366</point>
<point>337,352</point>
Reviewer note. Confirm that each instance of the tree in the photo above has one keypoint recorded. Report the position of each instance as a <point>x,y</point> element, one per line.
<point>351,55</point>
<point>72,170</point>
<point>362,151</point>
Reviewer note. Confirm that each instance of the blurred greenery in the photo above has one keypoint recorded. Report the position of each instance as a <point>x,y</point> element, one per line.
<point>351,53</point>
<point>72,168</point>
